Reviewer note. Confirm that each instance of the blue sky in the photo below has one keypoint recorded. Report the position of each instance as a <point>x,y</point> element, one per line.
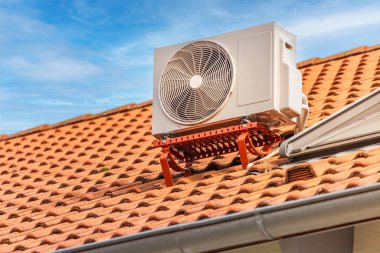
<point>61,59</point>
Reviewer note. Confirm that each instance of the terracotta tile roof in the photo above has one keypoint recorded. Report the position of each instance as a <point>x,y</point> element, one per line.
<point>333,82</point>
<point>96,177</point>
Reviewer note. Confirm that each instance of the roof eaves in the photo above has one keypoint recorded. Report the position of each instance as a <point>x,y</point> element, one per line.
<point>318,213</point>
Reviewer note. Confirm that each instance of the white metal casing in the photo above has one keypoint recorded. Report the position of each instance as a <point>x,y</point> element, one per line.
<point>265,76</point>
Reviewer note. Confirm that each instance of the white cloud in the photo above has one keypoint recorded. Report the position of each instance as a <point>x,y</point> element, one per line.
<point>14,26</point>
<point>53,102</point>
<point>120,99</point>
<point>336,22</point>
<point>55,68</point>
<point>9,126</point>
<point>139,51</point>
<point>86,12</point>
<point>130,54</point>
<point>32,48</point>
<point>86,101</point>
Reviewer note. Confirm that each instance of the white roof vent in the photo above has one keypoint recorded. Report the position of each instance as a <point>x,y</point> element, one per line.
<point>213,82</point>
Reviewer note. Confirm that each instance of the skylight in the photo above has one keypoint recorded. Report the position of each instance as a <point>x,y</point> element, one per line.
<point>355,125</point>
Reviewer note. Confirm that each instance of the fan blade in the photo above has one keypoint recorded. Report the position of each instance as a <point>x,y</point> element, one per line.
<point>188,104</point>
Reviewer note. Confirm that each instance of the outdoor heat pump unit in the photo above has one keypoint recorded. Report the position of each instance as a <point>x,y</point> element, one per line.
<point>217,81</point>
<point>226,93</point>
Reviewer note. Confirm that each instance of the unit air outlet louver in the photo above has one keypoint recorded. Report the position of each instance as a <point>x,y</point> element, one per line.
<point>213,82</point>
<point>196,82</point>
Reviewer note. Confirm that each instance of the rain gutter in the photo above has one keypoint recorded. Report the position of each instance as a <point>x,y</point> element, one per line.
<point>318,213</point>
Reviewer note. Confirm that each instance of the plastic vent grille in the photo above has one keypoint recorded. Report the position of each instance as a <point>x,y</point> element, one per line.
<point>196,82</point>
<point>299,173</point>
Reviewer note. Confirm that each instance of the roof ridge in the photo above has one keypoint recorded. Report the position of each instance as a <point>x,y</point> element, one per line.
<point>355,51</point>
<point>80,118</point>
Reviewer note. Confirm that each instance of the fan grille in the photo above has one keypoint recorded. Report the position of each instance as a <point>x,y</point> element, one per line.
<point>196,82</point>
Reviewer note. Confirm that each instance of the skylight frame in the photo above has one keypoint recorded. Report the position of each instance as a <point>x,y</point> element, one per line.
<point>318,140</point>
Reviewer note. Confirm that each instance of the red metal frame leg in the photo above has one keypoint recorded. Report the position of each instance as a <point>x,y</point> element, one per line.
<point>166,168</point>
<point>188,171</point>
<point>243,149</point>
<point>168,162</point>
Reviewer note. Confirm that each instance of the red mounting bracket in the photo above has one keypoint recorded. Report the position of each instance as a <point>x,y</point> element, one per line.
<point>252,137</point>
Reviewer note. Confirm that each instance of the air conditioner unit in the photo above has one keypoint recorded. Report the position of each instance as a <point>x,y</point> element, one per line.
<point>213,82</point>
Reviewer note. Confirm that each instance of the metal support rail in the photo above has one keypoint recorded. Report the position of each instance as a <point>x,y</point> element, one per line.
<point>251,136</point>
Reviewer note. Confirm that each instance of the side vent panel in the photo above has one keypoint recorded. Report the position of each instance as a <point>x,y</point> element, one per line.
<point>254,69</point>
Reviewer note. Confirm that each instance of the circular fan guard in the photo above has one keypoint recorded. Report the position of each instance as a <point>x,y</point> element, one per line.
<point>196,82</point>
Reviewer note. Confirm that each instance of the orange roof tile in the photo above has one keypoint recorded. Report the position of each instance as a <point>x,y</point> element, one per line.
<point>96,177</point>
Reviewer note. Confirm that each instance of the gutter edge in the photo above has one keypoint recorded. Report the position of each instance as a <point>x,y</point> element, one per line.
<point>255,226</point>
